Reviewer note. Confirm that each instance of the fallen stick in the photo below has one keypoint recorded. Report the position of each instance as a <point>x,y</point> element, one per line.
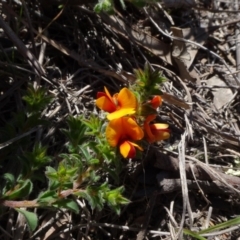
<point>215,181</point>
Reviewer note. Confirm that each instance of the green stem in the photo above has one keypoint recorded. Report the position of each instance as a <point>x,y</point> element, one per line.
<point>19,204</point>
<point>81,178</point>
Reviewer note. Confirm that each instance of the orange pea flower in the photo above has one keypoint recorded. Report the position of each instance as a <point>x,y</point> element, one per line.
<point>156,131</point>
<point>150,106</point>
<point>119,105</point>
<point>156,101</point>
<point>121,132</point>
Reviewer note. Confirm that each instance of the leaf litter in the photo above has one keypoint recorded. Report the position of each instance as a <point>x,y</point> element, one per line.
<point>181,184</point>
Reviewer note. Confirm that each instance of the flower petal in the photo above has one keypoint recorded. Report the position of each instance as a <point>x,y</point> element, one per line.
<point>127,99</point>
<point>124,128</point>
<point>148,133</point>
<point>107,93</point>
<point>156,101</point>
<point>150,118</point>
<point>105,101</point>
<point>160,131</point>
<point>105,104</point>
<point>114,132</point>
<point>132,130</point>
<point>121,113</point>
<point>155,132</point>
<point>137,146</point>
<point>159,126</point>
<point>124,103</point>
<point>127,149</point>
<point>101,94</point>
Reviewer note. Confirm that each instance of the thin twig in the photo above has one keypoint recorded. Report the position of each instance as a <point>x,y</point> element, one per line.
<point>7,143</point>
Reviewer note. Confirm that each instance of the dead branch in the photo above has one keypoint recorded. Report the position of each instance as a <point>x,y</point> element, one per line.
<point>218,182</point>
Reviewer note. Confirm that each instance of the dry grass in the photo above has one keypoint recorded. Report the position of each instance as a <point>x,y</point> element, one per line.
<point>74,52</point>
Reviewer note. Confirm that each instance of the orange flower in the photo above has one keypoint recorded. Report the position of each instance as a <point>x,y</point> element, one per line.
<point>128,149</point>
<point>156,131</point>
<point>119,105</point>
<point>121,132</point>
<point>156,101</point>
<point>150,106</point>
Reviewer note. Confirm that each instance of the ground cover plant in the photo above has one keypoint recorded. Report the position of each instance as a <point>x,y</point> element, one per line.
<point>119,120</point>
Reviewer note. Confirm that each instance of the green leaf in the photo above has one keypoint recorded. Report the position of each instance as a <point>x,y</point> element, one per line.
<point>73,160</point>
<point>68,204</point>
<point>220,226</point>
<point>51,173</point>
<point>147,82</point>
<point>93,176</point>
<point>53,185</point>
<point>139,3</point>
<point>92,197</point>
<point>85,153</point>
<point>95,197</point>
<point>217,227</point>
<point>9,177</point>
<point>123,4</point>
<point>65,173</point>
<point>193,234</point>
<point>35,159</point>
<point>93,161</point>
<point>76,133</point>
<point>9,181</point>
<point>156,92</point>
<point>36,99</point>
<point>31,218</point>
<point>104,6</point>
<point>94,123</point>
<point>47,197</point>
<point>23,190</point>
<point>115,199</point>
<point>97,8</point>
